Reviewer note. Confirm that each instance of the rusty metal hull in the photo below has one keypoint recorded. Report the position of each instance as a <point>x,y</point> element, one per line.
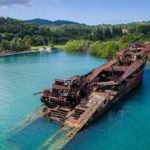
<point>81,99</point>
<point>133,84</point>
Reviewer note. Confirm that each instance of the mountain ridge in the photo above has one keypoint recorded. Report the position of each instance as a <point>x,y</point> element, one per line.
<point>39,21</point>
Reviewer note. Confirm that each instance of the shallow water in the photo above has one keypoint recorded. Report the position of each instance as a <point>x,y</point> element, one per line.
<point>125,126</point>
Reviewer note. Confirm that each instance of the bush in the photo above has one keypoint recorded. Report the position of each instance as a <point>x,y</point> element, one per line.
<point>4,45</point>
<point>100,49</point>
<point>104,49</point>
<point>76,45</point>
<point>14,45</point>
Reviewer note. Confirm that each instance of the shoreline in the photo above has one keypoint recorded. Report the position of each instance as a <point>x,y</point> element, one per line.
<point>32,51</point>
<point>19,53</point>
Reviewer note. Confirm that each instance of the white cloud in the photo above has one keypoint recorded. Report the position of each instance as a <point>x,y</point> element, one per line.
<point>5,3</point>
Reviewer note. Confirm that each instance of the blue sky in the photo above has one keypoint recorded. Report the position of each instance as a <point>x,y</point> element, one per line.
<point>91,12</point>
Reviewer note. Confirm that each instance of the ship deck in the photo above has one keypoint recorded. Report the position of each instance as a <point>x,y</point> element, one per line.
<point>73,125</point>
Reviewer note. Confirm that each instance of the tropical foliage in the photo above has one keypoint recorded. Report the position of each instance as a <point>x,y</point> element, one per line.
<point>101,40</point>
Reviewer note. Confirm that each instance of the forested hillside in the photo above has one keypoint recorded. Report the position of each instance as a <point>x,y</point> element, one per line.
<point>17,35</point>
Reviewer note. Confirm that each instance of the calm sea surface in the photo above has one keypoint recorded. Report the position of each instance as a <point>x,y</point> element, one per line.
<point>126,126</point>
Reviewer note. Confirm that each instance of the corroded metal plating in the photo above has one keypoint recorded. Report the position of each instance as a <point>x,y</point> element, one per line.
<point>77,101</point>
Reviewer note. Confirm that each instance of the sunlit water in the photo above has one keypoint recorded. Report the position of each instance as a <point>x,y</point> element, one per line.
<point>125,126</point>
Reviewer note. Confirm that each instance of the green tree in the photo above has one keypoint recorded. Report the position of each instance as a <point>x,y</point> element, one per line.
<point>4,45</point>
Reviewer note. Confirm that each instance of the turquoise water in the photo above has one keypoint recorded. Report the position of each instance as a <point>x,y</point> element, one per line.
<point>125,126</point>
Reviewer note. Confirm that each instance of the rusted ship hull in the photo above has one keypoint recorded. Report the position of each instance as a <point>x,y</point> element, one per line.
<point>69,99</point>
<point>131,86</point>
<point>75,102</point>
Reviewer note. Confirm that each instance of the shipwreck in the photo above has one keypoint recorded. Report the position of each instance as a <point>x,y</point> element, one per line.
<point>76,101</point>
